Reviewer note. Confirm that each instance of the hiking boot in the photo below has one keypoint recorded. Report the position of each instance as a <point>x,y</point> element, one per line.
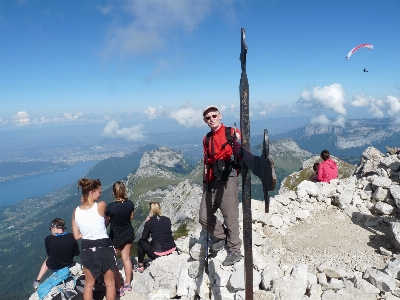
<point>127,287</point>
<point>120,292</point>
<point>391,150</point>
<point>219,245</point>
<point>231,258</point>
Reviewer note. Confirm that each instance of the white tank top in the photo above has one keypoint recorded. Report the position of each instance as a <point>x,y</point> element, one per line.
<point>90,223</point>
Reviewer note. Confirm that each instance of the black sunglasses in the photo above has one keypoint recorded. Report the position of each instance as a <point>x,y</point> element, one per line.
<point>213,116</point>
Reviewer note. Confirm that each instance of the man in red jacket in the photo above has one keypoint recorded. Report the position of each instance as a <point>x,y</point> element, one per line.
<point>220,187</point>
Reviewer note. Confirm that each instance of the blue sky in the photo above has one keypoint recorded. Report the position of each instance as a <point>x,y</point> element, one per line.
<point>130,61</point>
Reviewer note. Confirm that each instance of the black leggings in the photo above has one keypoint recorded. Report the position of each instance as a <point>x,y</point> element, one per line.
<point>144,247</point>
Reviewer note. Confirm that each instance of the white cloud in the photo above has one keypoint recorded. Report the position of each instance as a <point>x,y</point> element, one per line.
<point>70,117</point>
<point>263,109</point>
<point>320,120</point>
<point>149,24</point>
<point>22,118</point>
<point>105,9</point>
<point>3,122</point>
<point>323,120</point>
<point>375,111</point>
<point>394,105</point>
<point>154,112</point>
<point>378,106</point>
<point>330,97</point>
<point>360,100</point>
<point>133,133</point>
<point>340,121</point>
<point>188,116</point>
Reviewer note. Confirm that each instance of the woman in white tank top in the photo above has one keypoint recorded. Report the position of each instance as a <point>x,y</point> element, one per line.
<point>98,254</point>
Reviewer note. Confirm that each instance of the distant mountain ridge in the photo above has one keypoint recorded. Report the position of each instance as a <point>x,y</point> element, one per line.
<point>349,140</point>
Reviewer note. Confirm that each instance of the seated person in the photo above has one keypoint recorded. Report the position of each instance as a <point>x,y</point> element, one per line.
<point>162,242</point>
<point>313,177</point>
<point>328,169</point>
<point>61,247</point>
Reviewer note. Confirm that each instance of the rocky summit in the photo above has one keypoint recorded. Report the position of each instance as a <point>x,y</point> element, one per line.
<point>337,240</point>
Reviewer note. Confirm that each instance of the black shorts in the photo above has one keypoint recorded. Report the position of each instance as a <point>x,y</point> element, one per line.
<point>98,256</point>
<point>119,243</point>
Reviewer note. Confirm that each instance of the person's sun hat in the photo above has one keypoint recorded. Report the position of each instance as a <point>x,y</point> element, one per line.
<point>210,107</point>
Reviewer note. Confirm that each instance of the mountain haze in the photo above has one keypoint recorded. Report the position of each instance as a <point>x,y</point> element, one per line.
<point>348,140</point>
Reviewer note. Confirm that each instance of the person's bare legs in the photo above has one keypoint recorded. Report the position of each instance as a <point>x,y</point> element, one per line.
<point>126,260</point>
<point>117,276</point>
<point>89,284</point>
<point>109,281</point>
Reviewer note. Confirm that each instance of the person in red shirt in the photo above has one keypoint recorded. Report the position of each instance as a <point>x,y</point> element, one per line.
<point>328,169</point>
<point>220,190</point>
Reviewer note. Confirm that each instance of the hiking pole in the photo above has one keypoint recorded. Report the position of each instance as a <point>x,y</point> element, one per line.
<point>206,262</point>
<point>235,154</point>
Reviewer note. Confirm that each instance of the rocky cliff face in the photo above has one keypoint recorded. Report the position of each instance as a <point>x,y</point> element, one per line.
<point>331,268</point>
<point>159,172</point>
<point>285,146</point>
<point>163,162</point>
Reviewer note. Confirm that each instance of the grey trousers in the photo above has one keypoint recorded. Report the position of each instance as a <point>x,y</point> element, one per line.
<point>222,195</point>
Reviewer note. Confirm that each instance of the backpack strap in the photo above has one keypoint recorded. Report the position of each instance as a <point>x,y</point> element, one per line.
<point>228,135</point>
<point>208,137</point>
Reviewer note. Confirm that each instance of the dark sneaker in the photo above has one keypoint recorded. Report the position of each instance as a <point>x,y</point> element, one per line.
<point>219,245</point>
<point>231,258</point>
<point>120,293</point>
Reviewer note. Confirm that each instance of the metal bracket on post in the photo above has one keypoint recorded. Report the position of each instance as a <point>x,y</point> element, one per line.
<point>262,167</point>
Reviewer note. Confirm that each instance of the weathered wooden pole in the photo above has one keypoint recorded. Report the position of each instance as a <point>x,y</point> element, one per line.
<point>246,178</point>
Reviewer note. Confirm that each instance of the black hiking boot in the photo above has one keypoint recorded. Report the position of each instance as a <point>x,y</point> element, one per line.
<point>231,258</point>
<point>219,245</point>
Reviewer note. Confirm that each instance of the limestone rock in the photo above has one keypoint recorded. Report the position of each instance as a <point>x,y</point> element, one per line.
<point>382,281</point>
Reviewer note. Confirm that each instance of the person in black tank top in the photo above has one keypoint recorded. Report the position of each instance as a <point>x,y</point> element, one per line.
<point>119,215</point>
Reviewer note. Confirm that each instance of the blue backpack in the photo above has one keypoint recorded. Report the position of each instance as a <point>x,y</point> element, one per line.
<point>55,279</point>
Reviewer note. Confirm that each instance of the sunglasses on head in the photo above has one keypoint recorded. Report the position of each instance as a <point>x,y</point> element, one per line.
<point>209,117</point>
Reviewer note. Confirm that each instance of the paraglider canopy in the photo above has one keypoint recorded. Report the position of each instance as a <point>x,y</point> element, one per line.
<point>369,46</point>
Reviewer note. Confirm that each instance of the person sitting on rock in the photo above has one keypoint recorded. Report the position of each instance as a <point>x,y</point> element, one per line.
<point>61,247</point>
<point>328,169</point>
<point>313,177</point>
<point>393,150</point>
<point>162,242</point>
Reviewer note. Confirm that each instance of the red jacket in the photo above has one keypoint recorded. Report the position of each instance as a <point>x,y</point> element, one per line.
<point>327,170</point>
<point>222,150</point>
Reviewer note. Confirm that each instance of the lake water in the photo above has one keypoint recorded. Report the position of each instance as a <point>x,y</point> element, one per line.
<point>14,191</point>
